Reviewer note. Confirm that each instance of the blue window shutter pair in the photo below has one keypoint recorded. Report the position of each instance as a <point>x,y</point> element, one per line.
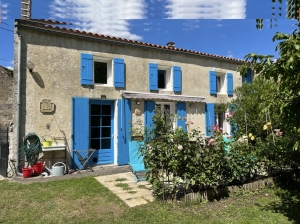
<point>209,118</point>
<point>181,111</point>
<point>213,82</point>
<point>229,84</point>
<point>86,71</point>
<point>124,120</point>
<point>153,78</point>
<point>177,79</point>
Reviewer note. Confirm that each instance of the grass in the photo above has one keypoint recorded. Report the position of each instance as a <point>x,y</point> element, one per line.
<point>85,200</point>
<point>143,187</point>
<point>121,179</point>
<point>124,186</point>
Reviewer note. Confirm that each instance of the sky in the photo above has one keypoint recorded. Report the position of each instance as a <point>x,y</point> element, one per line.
<point>225,28</point>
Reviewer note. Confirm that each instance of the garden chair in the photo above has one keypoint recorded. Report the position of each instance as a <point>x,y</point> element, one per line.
<point>84,160</point>
<point>136,162</point>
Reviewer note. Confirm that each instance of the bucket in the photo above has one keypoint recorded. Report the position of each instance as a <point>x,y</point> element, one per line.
<point>27,172</point>
<point>38,167</point>
<point>47,143</point>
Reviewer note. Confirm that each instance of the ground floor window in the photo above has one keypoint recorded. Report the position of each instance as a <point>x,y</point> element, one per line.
<point>221,121</point>
<point>168,111</point>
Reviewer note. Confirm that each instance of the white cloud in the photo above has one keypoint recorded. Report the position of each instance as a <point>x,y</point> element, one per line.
<point>9,67</point>
<point>229,54</point>
<point>206,9</point>
<point>191,25</point>
<point>101,16</point>
<point>147,24</point>
<point>219,25</point>
<point>147,29</point>
<point>4,10</point>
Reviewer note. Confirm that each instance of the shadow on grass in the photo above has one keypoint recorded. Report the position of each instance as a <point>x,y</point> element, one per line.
<point>287,189</point>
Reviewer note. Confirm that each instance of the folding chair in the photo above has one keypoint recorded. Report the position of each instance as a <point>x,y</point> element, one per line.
<point>83,160</point>
<point>136,162</point>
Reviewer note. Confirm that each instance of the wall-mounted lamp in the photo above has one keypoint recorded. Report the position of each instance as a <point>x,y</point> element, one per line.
<point>191,105</point>
<point>138,102</point>
<point>30,65</point>
<point>103,96</point>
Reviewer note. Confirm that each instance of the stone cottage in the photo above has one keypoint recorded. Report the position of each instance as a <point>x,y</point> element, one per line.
<point>82,90</point>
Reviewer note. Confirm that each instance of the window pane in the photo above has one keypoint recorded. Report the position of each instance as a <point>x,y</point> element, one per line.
<point>106,109</point>
<point>95,143</point>
<point>105,144</point>
<point>218,83</point>
<point>106,121</point>
<point>105,132</point>
<point>100,72</point>
<point>95,109</point>
<point>162,79</point>
<point>95,132</point>
<point>95,120</point>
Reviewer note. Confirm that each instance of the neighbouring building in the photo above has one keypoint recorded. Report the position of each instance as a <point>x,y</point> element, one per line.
<point>6,101</point>
<point>83,90</point>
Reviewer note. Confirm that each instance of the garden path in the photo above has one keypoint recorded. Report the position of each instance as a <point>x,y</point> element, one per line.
<point>124,186</point>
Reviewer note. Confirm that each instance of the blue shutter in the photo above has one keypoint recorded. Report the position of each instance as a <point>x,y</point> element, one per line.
<point>244,79</point>
<point>209,118</point>
<point>181,111</point>
<point>86,69</point>
<point>229,84</point>
<point>177,79</point>
<point>153,76</point>
<point>119,72</point>
<point>233,127</point>
<point>249,75</point>
<point>213,82</point>
<point>148,114</point>
<point>124,122</point>
<point>80,127</point>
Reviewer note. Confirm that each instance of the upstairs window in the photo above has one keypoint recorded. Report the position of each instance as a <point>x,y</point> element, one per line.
<point>95,70</point>
<point>103,71</point>
<point>220,83</point>
<point>164,78</point>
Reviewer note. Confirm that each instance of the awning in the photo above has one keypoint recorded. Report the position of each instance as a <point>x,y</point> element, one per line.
<point>158,96</point>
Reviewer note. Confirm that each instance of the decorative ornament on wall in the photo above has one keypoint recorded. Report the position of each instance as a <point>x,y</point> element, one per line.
<point>46,106</point>
<point>137,111</point>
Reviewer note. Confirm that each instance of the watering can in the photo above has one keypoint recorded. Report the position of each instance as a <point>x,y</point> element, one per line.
<point>57,170</point>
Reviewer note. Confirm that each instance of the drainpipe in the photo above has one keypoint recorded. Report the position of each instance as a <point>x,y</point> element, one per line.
<point>19,95</point>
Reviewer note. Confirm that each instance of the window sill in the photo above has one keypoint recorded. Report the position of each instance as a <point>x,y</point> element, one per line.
<point>166,91</point>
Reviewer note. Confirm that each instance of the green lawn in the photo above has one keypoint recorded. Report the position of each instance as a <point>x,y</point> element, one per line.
<point>85,200</point>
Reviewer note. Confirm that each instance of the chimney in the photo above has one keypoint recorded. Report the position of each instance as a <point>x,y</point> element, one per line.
<point>26,9</point>
<point>171,45</point>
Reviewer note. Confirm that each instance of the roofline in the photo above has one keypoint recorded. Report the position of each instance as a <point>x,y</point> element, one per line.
<point>45,27</point>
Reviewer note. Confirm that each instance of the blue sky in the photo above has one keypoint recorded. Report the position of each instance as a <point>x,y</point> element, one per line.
<point>220,27</point>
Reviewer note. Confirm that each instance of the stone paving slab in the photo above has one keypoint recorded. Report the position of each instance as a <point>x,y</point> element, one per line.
<point>135,195</point>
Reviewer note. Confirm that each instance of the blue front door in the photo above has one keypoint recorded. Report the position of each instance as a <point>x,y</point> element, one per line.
<point>101,131</point>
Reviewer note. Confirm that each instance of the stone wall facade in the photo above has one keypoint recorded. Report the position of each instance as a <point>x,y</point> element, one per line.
<point>56,77</point>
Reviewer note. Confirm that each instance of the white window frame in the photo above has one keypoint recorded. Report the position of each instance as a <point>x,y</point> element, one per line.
<point>223,83</point>
<point>168,77</point>
<point>110,69</point>
<point>172,110</point>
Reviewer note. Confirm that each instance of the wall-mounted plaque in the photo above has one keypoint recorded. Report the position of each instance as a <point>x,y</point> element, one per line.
<point>47,106</point>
